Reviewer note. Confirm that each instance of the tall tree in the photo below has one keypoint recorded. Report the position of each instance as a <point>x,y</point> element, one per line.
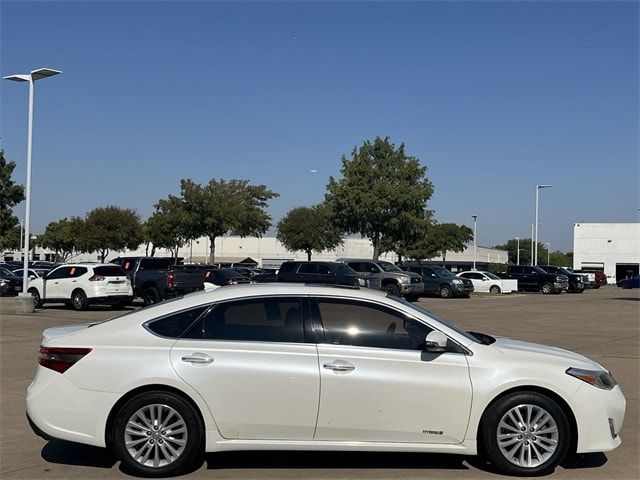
<point>450,237</point>
<point>60,237</point>
<point>525,253</point>
<point>381,186</point>
<point>169,226</point>
<point>109,228</point>
<point>10,195</point>
<point>221,207</point>
<point>11,240</point>
<point>309,229</point>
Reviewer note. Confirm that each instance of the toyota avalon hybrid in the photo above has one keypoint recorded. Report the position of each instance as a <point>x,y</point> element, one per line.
<point>301,367</point>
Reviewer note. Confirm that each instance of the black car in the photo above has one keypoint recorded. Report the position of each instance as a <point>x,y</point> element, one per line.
<point>223,276</point>
<point>577,282</point>
<point>10,284</point>
<point>440,281</point>
<point>333,273</point>
<point>534,279</point>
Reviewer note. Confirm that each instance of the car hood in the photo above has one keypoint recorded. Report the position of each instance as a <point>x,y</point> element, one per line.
<point>12,278</point>
<point>539,353</point>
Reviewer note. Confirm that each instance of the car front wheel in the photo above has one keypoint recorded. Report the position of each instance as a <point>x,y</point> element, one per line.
<point>157,434</point>
<point>445,292</point>
<point>547,288</point>
<point>525,433</point>
<point>392,289</point>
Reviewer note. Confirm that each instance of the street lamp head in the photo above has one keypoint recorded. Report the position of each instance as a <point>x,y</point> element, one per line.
<point>17,78</point>
<point>545,186</point>
<point>475,217</point>
<point>34,75</point>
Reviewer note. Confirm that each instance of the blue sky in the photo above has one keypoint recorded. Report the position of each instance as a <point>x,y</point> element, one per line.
<point>494,97</point>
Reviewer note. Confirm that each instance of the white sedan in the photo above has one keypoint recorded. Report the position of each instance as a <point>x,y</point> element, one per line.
<point>279,366</point>
<point>489,282</point>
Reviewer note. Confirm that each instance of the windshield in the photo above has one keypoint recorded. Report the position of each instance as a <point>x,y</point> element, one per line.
<point>4,272</point>
<point>388,267</point>
<point>492,276</point>
<point>442,272</point>
<point>429,314</point>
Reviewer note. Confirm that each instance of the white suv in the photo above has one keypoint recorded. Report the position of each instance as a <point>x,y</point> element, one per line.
<point>295,367</point>
<point>82,284</point>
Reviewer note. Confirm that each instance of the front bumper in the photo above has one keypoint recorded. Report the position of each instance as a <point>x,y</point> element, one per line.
<point>10,290</point>
<point>599,416</point>
<point>462,289</point>
<point>411,288</point>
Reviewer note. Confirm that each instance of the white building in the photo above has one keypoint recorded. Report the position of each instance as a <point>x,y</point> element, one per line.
<point>268,252</point>
<point>611,247</point>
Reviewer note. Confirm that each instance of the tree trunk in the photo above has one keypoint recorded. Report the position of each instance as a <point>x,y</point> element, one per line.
<point>103,254</point>
<point>146,249</point>
<point>444,259</point>
<point>376,245</point>
<point>308,255</point>
<point>212,249</point>
<point>153,250</point>
<point>399,258</point>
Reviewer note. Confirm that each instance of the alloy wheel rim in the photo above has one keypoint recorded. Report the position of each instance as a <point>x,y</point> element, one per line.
<point>77,301</point>
<point>156,435</point>
<point>527,435</point>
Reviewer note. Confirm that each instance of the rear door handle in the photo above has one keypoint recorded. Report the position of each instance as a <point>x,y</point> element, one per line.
<point>339,366</point>
<point>198,359</point>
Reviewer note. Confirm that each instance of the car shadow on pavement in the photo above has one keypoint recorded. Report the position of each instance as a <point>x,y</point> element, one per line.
<point>333,460</point>
<point>584,460</point>
<point>69,453</point>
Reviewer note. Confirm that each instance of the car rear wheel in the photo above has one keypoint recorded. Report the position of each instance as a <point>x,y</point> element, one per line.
<point>445,292</point>
<point>79,300</point>
<point>547,288</point>
<point>525,433</point>
<point>157,434</point>
<point>150,296</point>
<point>495,289</point>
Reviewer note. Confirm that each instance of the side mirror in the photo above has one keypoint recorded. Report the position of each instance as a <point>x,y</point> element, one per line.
<point>435,342</point>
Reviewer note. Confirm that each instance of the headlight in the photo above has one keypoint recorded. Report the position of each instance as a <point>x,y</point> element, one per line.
<point>597,378</point>
<point>405,280</point>
<point>3,282</point>
<point>362,282</point>
<point>457,281</point>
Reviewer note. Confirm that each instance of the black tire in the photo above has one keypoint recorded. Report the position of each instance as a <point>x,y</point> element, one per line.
<point>547,288</point>
<point>490,430</point>
<point>150,295</point>
<point>445,292</point>
<point>79,300</point>
<point>412,298</point>
<point>186,461</point>
<point>36,296</point>
<point>392,289</point>
<point>495,289</point>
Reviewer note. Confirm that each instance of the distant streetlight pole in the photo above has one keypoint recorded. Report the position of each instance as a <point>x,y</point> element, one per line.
<point>475,241</point>
<point>518,254</point>
<point>548,251</point>
<point>31,78</point>
<point>535,254</point>
<point>532,244</point>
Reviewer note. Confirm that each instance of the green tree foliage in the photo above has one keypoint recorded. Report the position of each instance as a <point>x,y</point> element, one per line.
<point>221,207</point>
<point>108,228</point>
<point>382,194</point>
<point>10,195</point>
<point>60,237</point>
<point>169,226</point>
<point>449,237</point>
<point>309,229</point>
<point>557,258</point>
<point>11,240</point>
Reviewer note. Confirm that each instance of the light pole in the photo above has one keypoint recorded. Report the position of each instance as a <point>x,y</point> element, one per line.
<point>535,254</point>
<point>31,78</point>
<point>532,244</point>
<point>475,242</point>
<point>548,251</point>
<point>518,254</point>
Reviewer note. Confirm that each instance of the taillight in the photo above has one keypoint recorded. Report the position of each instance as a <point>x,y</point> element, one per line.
<point>96,278</point>
<point>170,279</point>
<point>60,359</point>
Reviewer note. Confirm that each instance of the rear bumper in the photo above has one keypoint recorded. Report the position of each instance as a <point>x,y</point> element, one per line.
<point>111,299</point>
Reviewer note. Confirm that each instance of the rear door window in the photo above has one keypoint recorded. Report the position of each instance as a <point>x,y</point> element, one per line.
<point>173,326</point>
<point>310,268</point>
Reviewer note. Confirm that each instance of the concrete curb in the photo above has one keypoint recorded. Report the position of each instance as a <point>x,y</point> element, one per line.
<point>17,305</point>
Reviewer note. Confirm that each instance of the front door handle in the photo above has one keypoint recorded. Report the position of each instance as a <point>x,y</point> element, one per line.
<point>339,366</point>
<point>198,359</point>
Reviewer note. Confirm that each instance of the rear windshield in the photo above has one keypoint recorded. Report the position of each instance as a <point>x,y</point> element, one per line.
<point>109,271</point>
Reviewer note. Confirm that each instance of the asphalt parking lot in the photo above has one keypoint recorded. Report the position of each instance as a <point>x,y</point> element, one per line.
<point>603,324</point>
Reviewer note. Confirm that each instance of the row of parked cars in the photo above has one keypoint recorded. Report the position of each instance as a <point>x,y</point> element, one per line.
<point>154,279</point>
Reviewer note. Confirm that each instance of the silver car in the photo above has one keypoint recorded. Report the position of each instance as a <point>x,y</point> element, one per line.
<point>392,280</point>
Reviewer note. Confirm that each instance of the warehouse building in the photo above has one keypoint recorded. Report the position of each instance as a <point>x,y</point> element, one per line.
<point>610,247</point>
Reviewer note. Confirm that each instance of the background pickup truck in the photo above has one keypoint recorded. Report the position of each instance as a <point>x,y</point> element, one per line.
<point>534,279</point>
<point>156,278</point>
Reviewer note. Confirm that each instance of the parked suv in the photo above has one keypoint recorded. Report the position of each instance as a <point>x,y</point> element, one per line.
<point>392,279</point>
<point>157,278</point>
<point>332,273</point>
<point>10,283</point>
<point>577,282</point>
<point>82,284</point>
<point>537,280</point>
<point>440,281</point>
